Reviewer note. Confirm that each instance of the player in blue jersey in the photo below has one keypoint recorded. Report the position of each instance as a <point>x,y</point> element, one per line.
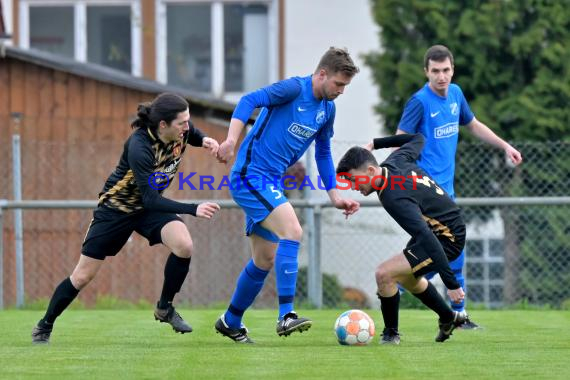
<point>437,111</point>
<point>294,113</point>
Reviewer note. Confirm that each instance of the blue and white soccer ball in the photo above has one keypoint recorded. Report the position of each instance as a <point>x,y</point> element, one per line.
<point>354,328</point>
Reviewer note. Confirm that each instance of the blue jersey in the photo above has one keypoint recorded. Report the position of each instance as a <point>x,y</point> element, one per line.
<point>437,118</point>
<point>290,120</point>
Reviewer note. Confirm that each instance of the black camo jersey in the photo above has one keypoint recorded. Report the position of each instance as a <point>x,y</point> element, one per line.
<point>128,188</point>
<point>421,207</point>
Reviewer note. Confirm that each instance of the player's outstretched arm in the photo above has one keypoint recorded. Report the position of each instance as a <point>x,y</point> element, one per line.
<point>226,150</point>
<point>211,145</point>
<point>350,206</point>
<point>484,133</point>
<point>207,210</point>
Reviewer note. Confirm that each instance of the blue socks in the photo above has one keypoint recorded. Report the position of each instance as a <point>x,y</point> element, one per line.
<point>286,268</point>
<point>457,268</point>
<point>249,284</point>
<point>251,280</point>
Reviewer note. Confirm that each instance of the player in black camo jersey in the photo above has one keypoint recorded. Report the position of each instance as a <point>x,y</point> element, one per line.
<point>424,211</point>
<point>131,202</point>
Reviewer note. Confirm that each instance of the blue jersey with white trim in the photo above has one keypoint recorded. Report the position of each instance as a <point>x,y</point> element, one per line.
<point>437,118</point>
<point>290,120</point>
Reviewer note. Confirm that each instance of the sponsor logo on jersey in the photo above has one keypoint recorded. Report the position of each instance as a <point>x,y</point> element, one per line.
<point>454,108</point>
<point>320,117</point>
<point>446,130</point>
<point>301,131</point>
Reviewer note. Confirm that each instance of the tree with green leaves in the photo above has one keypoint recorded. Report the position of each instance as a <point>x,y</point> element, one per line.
<point>511,60</point>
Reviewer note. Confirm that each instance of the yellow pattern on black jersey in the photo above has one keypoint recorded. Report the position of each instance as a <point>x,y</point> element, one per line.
<point>438,228</point>
<point>122,193</point>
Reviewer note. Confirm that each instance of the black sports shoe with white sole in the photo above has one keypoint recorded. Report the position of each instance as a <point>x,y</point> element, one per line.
<point>237,335</point>
<point>291,322</point>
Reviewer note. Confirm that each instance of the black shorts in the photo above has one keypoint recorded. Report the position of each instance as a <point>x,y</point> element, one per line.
<point>419,259</point>
<point>110,229</point>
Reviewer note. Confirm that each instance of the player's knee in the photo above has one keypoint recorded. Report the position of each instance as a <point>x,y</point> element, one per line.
<point>80,278</point>
<point>383,276</point>
<point>265,262</point>
<point>184,249</point>
<point>294,231</point>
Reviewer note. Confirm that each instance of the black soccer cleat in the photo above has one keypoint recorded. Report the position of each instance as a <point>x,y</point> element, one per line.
<point>291,322</point>
<point>468,324</point>
<point>237,335</point>
<point>390,336</point>
<point>172,317</point>
<point>446,329</point>
<point>40,335</point>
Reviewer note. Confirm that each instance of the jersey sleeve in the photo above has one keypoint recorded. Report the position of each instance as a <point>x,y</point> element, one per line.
<point>323,155</point>
<point>410,146</point>
<point>141,161</point>
<point>195,136</point>
<point>277,93</point>
<point>465,113</point>
<point>412,116</point>
<point>327,132</point>
<point>408,215</point>
<point>325,164</point>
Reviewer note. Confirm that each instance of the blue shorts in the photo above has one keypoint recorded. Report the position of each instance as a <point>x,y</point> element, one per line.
<point>258,196</point>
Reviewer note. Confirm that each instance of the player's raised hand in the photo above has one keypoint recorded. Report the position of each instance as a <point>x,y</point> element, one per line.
<point>226,151</point>
<point>456,295</point>
<point>369,147</point>
<point>211,145</point>
<point>513,155</point>
<point>207,210</point>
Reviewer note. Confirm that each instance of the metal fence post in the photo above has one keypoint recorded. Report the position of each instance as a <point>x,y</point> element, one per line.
<point>315,276</point>
<point>18,223</point>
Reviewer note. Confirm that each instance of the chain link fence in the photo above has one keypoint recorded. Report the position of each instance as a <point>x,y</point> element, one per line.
<point>515,254</point>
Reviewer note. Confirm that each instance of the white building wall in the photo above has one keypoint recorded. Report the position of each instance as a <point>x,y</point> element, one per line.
<point>8,23</point>
<point>311,27</point>
<point>351,249</point>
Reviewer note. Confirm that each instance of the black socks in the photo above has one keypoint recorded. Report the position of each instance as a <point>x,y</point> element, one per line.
<point>63,295</point>
<point>390,307</point>
<point>432,299</point>
<point>175,272</point>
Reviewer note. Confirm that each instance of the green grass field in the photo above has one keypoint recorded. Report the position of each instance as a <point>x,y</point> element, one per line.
<point>125,344</point>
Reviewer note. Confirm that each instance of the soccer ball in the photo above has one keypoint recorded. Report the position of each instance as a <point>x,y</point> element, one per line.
<point>354,327</point>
